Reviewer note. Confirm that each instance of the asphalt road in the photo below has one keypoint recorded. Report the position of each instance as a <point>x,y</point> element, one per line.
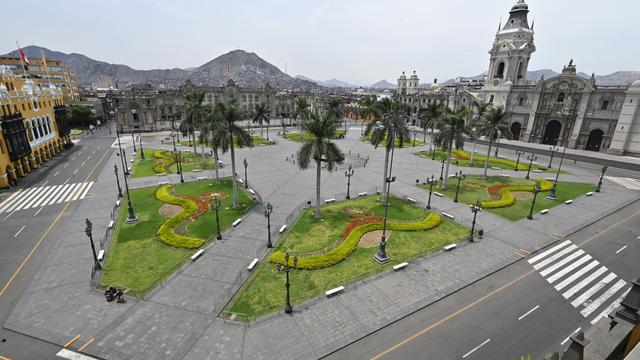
<point>27,234</point>
<point>510,313</point>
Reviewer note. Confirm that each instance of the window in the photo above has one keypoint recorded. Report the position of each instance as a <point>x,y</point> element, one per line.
<point>23,108</point>
<point>521,101</point>
<point>605,105</point>
<point>491,97</point>
<point>560,98</point>
<point>520,67</point>
<point>500,71</point>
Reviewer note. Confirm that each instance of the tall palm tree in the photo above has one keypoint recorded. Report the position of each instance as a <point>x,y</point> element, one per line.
<point>451,130</point>
<point>193,111</point>
<point>334,108</point>
<point>370,109</point>
<point>301,109</point>
<point>226,132</point>
<point>320,148</point>
<point>430,118</point>
<point>208,130</point>
<point>261,115</point>
<point>495,124</point>
<point>391,126</point>
<point>473,127</point>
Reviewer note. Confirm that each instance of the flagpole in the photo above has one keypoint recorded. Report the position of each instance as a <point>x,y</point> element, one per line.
<point>44,62</point>
<point>24,69</point>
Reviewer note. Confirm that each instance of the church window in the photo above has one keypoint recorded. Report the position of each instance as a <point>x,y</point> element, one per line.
<point>500,70</point>
<point>560,98</point>
<point>521,101</point>
<point>491,97</point>
<point>605,105</point>
<point>520,66</point>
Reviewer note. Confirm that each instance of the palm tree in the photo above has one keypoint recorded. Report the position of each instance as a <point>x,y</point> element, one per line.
<point>430,118</point>
<point>473,128</point>
<point>193,114</point>
<point>226,132</point>
<point>261,115</point>
<point>334,108</point>
<point>391,126</point>
<point>496,123</point>
<point>370,110</point>
<point>451,130</point>
<point>208,129</point>
<point>320,148</point>
<point>301,109</point>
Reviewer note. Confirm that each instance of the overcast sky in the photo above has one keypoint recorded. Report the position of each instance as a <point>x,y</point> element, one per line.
<point>362,41</point>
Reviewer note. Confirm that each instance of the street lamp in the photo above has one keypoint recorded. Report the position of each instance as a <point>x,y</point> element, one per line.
<point>431,181</point>
<point>554,189</point>
<point>460,177</point>
<point>87,230</point>
<point>495,154</point>
<point>442,170</point>
<point>553,150</point>
<point>115,170</point>
<point>348,173</point>
<point>474,209</point>
<point>180,166</point>
<point>531,159</point>
<point>215,205</point>
<point>518,152</point>
<point>536,190</point>
<point>134,113</point>
<point>110,119</point>
<point>245,163</point>
<point>604,168</point>
<point>132,217</point>
<point>288,309</point>
<point>268,209</point>
<point>141,150</point>
<point>414,139</point>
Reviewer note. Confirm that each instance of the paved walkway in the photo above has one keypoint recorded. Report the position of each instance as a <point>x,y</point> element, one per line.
<point>178,319</point>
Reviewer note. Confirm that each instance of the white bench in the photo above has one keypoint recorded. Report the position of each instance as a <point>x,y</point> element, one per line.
<point>198,253</point>
<point>450,247</point>
<point>252,192</point>
<point>129,169</point>
<point>447,215</point>
<point>220,162</point>
<point>131,161</point>
<point>161,174</point>
<point>334,291</point>
<point>253,264</point>
<point>437,194</point>
<point>495,168</point>
<point>101,255</point>
<point>544,211</point>
<point>110,224</point>
<point>329,201</point>
<point>240,181</point>
<point>400,266</point>
<point>568,202</point>
<point>163,183</point>
<point>196,170</point>
<point>589,193</point>
<point>364,193</point>
<point>411,200</point>
<point>117,202</point>
<point>550,178</point>
<point>235,223</point>
<point>282,229</point>
<point>536,171</point>
<point>202,178</point>
<point>505,175</point>
<point>452,176</point>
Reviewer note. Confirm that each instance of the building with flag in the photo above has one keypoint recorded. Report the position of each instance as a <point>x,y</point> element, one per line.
<point>33,124</point>
<point>44,72</point>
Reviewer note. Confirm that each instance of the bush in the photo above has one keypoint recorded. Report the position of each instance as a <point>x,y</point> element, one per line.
<point>163,167</point>
<point>349,244</point>
<point>465,155</point>
<point>165,232</point>
<point>506,197</point>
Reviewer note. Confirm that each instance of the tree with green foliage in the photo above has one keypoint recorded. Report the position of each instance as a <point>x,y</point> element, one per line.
<point>301,109</point>
<point>495,124</point>
<point>430,118</point>
<point>79,116</point>
<point>320,148</point>
<point>479,110</point>
<point>451,130</point>
<point>210,121</point>
<point>194,112</point>
<point>261,116</point>
<point>391,126</point>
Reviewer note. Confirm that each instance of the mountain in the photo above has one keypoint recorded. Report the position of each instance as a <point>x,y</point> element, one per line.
<point>382,84</point>
<point>332,83</point>
<point>247,69</point>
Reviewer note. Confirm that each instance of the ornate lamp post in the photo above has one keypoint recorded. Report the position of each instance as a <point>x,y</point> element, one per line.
<point>268,209</point>
<point>531,159</point>
<point>604,168</point>
<point>141,150</point>
<point>518,152</point>
<point>87,230</point>
<point>431,181</point>
<point>180,166</point>
<point>288,309</point>
<point>132,216</point>
<point>460,177</point>
<point>215,205</point>
<point>115,170</point>
<point>553,150</point>
<point>245,163</point>
<point>554,189</point>
<point>348,173</point>
<point>381,256</point>
<point>536,190</point>
<point>474,209</point>
<point>442,169</point>
<point>134,113</point>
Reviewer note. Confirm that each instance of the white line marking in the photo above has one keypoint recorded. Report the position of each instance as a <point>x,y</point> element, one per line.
<point>547,252</point>
<point>5,204</point>
<point>72,355</point>
<point>30,199</point>
<point>569,337</point>
<point>65,165</point>
<point>45,183</point>
<point>23,199</point>
<point>19,231</point>
<point>61,199</point>
<point>476,348</point>
<point>58,187</point>
<point>602,298</point>
<point>75,171</point>
<point>55,198</point>
<point>78,191</point>
<point>43,196</point>
<point>73,158</point>
<point>561,263</point>
<point>66,181</point>
<point>528,312</point>
<point>86,190</point>
<point>74,187</point>
<point>89,157</point>
<point>555,257</point>
<point>594,289</point>
<point>11,213</point>
<point>622,248</point>
<point>56,174</point>
<point>84,162</point>
<point>37,212</point>
<point>568,269</point>
<point>610,308</point>
<point>569,293</point>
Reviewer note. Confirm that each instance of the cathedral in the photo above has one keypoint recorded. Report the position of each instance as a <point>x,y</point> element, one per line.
<point>567,109</point>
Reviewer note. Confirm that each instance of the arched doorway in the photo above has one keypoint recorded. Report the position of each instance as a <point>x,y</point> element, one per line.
<point>552,132</point>
<point>516,127</point>
<point>595,140</point>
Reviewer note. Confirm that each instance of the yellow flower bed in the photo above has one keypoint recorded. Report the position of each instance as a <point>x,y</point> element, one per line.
<point>165,231</point>
<point>506,197</point>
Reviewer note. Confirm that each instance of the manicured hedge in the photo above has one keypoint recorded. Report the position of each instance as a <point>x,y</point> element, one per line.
<point>163,167</point>
<point>506,197</point>
<point>165,232</point>
<point>350,243</point>
<point>465,155</point>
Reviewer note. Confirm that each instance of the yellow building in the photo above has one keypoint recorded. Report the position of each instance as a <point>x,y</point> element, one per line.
<point>33,125</point>
<point>54,73</point>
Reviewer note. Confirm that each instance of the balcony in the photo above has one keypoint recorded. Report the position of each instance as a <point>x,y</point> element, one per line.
<point>60,112</point>
<point>15,136</point>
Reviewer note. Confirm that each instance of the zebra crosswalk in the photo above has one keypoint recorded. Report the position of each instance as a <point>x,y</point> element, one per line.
<point>588,285</point>
<point>629,183</point>
<point>44,195</point>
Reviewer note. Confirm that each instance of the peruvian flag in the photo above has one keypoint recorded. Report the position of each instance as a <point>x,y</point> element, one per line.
<point>23,57</point>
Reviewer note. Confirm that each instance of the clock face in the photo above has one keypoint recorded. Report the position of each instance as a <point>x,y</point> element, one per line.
<point>496,82</point>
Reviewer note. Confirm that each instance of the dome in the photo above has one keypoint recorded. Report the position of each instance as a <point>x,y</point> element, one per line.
<point>434,87</point>
<point>403,76</point>
<point>635,84</point>
<point>414,76</point>
<point>520,5</point>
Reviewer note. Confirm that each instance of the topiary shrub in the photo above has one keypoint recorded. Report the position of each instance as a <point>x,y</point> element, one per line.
<point>168,160</point>
<point>165,231</point>
<point>506,197</point>
<point>349,244</point>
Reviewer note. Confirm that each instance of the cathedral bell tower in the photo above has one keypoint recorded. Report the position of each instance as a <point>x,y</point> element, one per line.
<point>509,55</point>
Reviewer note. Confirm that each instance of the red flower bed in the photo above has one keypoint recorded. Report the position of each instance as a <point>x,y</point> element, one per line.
<point>359,221</point>
<point>495,189</point>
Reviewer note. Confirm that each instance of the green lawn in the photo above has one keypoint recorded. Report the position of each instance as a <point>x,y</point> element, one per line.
<point>264,292</point>
<point>137,259</point>
<point>257,141</point>
<point>461,158</point>
<point>474,187</point>
<point>305,136</point>
<point>190,162</point>
<point>406,144</point>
